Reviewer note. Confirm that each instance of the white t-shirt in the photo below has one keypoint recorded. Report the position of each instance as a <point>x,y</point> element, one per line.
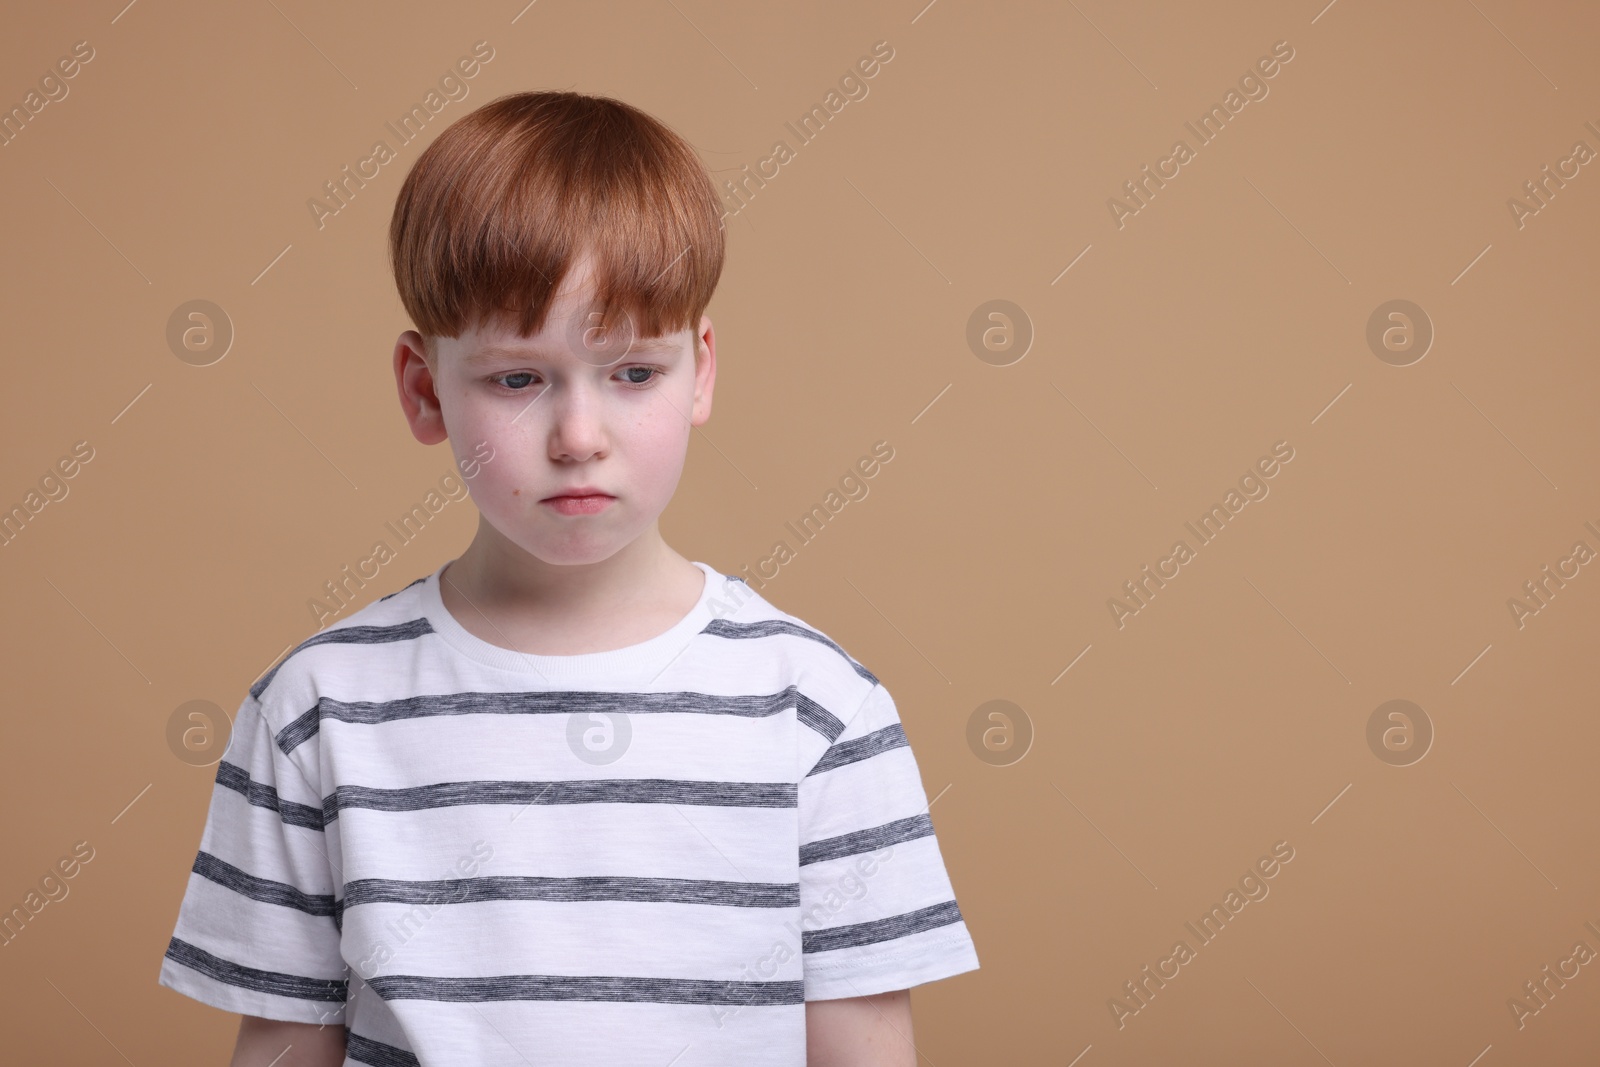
<point>654,855</point>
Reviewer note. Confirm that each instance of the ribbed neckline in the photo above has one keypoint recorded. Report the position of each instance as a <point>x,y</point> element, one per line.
<point>634,663</point>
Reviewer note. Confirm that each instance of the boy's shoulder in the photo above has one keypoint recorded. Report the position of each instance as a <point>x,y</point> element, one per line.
<point>383,625</point>
<point>807,651</point>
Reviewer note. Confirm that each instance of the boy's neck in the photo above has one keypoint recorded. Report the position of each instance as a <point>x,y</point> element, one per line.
<point>505,596</point>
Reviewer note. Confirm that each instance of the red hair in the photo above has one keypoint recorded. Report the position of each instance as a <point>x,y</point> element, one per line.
<point>501,205</point>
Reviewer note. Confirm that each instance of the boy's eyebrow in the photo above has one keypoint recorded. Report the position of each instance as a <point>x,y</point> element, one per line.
<point>492,352</point>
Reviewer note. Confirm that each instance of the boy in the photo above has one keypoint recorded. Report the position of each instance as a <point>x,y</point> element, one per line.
<point>570,799</point>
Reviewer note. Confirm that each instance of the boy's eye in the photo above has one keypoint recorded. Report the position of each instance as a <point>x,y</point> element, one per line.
<point>637,375</point>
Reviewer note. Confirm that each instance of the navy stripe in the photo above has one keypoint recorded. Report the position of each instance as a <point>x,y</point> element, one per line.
<point>769,627</point>
<point>351,635</point>
<point>853,844</point>
<point>580,791</point>
<point>264,796</point>
<point>562,987</point>
<point>860,748</point>
<point>809,713</point>
<point>366,1050</point>
<point>869,933</point>
<point>564,702</point>
<point>265,890</point>
<point>300,730</point>
<point>580,888</point>
<point>284,985</point>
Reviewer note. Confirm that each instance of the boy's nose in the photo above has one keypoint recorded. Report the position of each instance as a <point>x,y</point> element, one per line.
<point>578,431</point>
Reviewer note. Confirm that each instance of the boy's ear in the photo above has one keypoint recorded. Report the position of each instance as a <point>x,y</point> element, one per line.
<point>705,371</point>
<point>414,378</point>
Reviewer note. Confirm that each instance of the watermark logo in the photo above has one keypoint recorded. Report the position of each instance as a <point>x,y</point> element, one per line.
<point>199,332</point>
<point>999,733</point>
<point>1399,332</point>
<point>999,332</point>
<point>1399,732</point>
<point>598,343</point>
<point>599,737</point>
<point>198,732</point>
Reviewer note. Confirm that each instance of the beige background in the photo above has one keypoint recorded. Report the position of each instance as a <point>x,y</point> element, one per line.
<point>1228,314</point>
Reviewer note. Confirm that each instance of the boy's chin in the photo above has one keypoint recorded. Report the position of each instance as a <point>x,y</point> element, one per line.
<point>574,551</point>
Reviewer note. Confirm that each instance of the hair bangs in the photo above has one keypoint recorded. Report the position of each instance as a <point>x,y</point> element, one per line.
<point>498,210</point>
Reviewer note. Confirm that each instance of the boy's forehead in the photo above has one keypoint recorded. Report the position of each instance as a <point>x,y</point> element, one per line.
<point>569,329</point>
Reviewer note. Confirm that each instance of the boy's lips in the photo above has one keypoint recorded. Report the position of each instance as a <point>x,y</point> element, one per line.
<point>577,491</point>
<point>583,500</point>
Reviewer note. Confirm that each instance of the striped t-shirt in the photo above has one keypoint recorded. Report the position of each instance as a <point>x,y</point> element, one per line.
<point>655,855</point>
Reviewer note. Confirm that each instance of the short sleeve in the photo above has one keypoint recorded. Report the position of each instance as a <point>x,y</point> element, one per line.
<point>877,909</point>
<point>257,930</point>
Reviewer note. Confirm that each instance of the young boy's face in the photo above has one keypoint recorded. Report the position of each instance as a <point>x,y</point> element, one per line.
<point>567,408</point>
